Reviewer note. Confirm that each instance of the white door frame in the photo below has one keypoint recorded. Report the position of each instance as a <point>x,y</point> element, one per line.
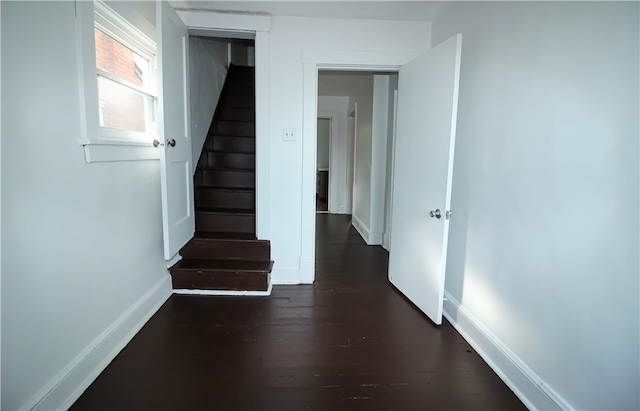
<point>223,24</point>
<point>353,144</point>
<point>313,61</point>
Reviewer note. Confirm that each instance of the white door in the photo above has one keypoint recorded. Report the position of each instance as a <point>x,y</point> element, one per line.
<point>178,218</point>
<point>423,168</point>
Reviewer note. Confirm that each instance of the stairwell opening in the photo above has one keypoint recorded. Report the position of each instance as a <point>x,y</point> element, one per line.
<point>224,256</point>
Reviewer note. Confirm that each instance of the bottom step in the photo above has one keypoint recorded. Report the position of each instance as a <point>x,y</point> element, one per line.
<point>229,293</point>
<point>221,275</point>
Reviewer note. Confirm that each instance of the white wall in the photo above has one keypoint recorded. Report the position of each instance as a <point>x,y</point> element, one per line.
<point>207,72</point>
<point>379,130</point>
<point>358,88</point>
<point>289,37</point>
<point>393,87</point>
<point>324,135</point>
<point>82,261</point>
<point>543,255</point>
<point>335,108</point>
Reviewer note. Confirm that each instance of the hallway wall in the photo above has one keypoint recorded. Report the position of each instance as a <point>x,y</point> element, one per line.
<point>543,255</point>
<point>82,256</point>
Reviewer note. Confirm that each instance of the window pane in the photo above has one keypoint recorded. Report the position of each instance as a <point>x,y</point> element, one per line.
<point>124,108</point>
<point>119,60</point>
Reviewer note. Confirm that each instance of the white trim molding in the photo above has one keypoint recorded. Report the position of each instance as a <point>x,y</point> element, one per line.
<point>97,153</point>
<point>313,60</point>
<point>529,387</point>
<point>207,20</point>
<point>67,386</point>
<point>257,27</point>
<point>246,293</point>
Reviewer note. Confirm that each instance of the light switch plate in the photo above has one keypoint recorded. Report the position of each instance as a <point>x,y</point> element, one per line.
<point>289,134</point>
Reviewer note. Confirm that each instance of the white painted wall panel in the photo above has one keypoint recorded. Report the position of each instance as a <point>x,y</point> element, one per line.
<point>544,237</point>
<point>380,116</point>
<point>81,243</point>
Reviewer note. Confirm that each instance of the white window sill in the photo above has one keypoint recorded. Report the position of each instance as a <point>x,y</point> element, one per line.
<point>105,152</point>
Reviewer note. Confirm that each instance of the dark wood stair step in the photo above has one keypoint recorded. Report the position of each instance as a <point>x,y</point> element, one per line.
<point>224,159</point>
<point>226,249</point>
<point>232,266</point>
<point>240,87</point>
<point>225,178</point>
<point>225,198</point>
<point>234,128</point>
<point>225,236</point>
<point>236,144</point>
<point>238,101</point>
<point>225,221</point>
<point>221,275</point>
<point>237,114</point>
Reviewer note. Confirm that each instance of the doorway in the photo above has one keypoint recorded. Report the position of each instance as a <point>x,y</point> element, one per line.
<point>314,63</point>
<point>358,151</point>
<point>323,164</point>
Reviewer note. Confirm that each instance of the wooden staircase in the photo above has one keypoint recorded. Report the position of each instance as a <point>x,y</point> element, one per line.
<point>224,254</point>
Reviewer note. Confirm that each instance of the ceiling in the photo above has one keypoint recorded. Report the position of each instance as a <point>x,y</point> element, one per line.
<point>377,10</point>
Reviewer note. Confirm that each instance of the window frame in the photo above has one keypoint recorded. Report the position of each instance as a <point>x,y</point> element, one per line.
<point>105,143</point>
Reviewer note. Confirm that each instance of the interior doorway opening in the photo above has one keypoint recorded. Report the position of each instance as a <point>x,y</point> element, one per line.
<point>360,105</point>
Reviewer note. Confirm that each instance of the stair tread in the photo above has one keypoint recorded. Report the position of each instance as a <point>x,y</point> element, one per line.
<point>219,235</point>
<point>224,265</point>
<point>230,151</point>
<point>240,190</point>
<point>233,211</point>
<point>251,170</point>
<point>236,121</point>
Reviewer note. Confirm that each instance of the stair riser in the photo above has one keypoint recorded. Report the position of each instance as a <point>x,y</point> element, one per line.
<point>239,87</point>
<point>231,144</point>
<point>225,178</point>
<point>239,101</point>
<point>225,199</point>
<point>234,128</point>
<point>237,114</point>
<point>247,76</point>
<point>202,249</point>
<point>227,223</point>
<point>213,280</point>
<point>227,160</point>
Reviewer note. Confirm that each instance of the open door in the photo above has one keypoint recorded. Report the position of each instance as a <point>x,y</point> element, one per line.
<point>423,169</point>
<point>178,217</point>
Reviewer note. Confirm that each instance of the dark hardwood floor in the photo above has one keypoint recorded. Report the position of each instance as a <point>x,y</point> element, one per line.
<point>348,342</point>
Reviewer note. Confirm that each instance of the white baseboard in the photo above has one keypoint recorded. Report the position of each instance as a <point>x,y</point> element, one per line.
<point>529,388</point>
<point>225,292</point>
<point>371,238</point>
<point>307,270</point>
<point>360,227</point>
<point>67,386</point>
<point>375,239</point>
<point>386,241</point>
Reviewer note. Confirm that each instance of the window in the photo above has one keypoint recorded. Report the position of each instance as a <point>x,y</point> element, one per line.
<point>125,66</point>
<point>117,81</point>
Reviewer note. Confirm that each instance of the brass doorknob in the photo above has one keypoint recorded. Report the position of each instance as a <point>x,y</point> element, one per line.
<point>156,143</point>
